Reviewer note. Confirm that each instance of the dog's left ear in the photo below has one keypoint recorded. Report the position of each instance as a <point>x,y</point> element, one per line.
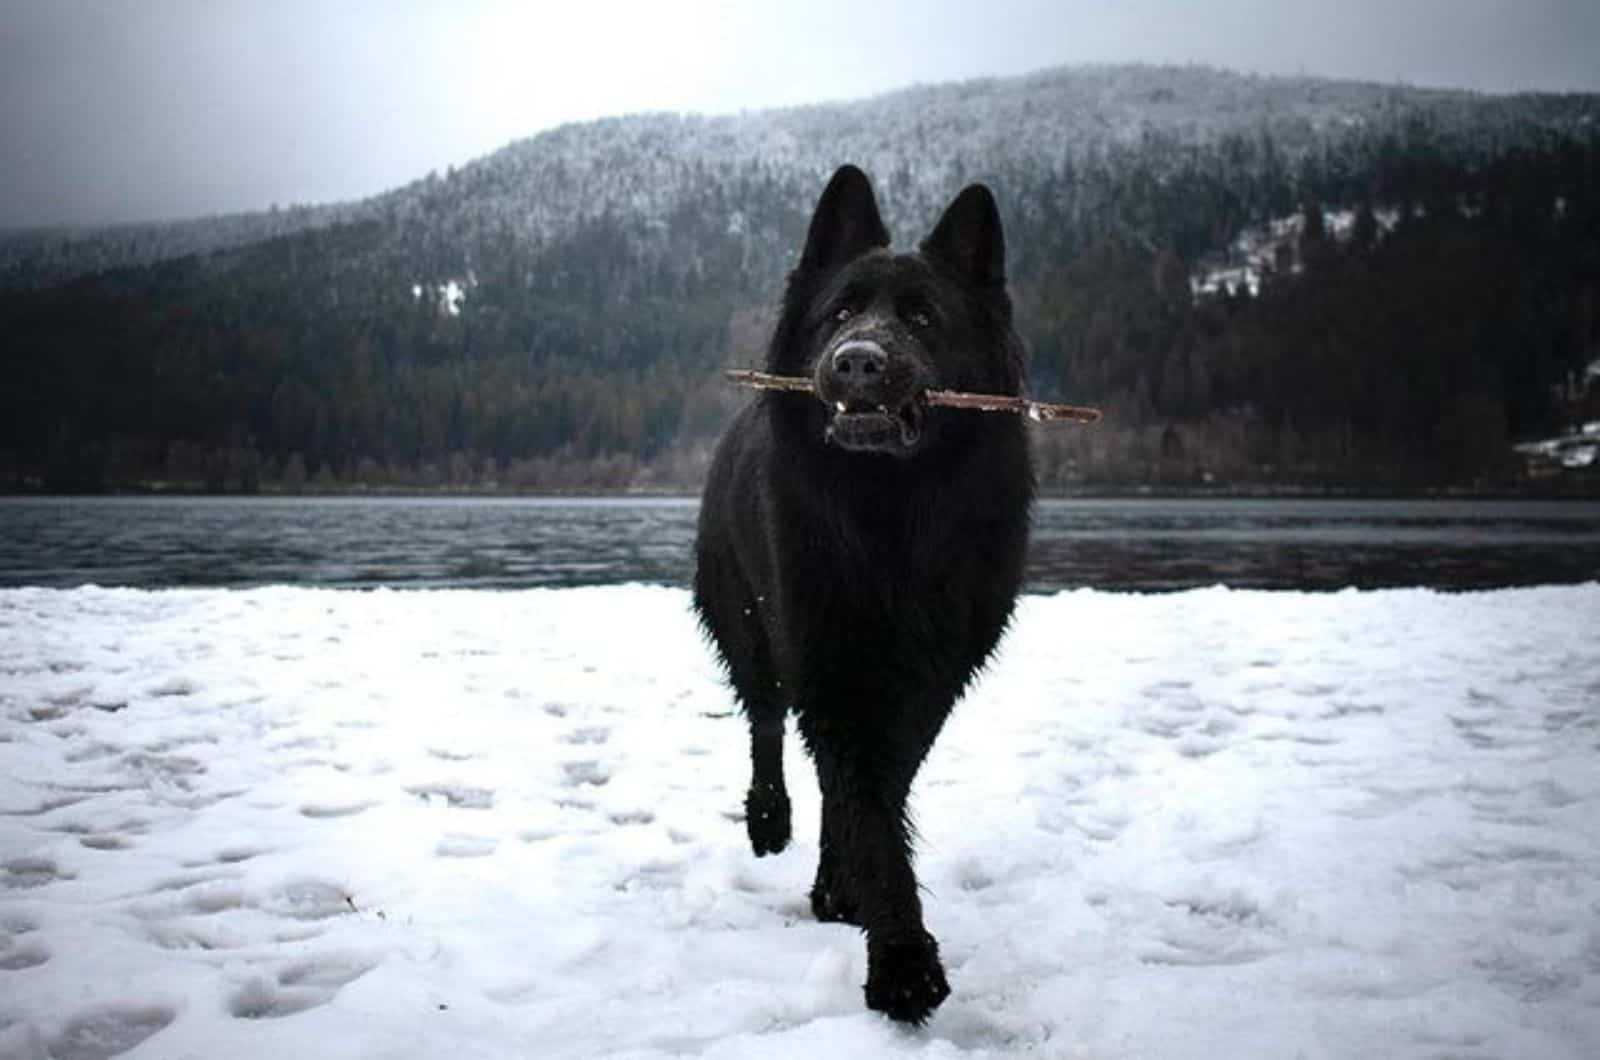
<point>969,239</point>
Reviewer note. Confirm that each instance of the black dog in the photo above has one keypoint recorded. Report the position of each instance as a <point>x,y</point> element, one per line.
<point>859,556</point>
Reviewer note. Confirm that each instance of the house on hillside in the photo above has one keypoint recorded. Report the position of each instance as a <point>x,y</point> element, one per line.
<point>1577,450</point>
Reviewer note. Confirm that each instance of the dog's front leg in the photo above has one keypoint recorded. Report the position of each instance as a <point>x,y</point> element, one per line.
<point>766,805</point>
<point>833,897</point>
<point>868,865</point>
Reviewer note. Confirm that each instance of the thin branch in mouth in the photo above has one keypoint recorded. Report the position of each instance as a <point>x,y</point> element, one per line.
<point>1038,411</point>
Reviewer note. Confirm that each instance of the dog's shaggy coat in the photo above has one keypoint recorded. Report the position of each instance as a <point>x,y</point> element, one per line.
<point>859,555</point>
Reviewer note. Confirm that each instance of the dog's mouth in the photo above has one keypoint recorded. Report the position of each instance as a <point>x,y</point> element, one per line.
<point>863,427</point>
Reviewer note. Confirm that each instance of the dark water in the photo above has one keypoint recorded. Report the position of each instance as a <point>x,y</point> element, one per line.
<point>513,543</point>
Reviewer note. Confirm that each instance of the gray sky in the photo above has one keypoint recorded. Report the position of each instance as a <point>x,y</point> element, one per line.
<point>116,110</point>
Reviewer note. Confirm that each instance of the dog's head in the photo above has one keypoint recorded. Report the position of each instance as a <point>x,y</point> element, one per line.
<point>876,330</point>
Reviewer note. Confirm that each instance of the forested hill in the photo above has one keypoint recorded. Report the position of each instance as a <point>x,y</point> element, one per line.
<point>1264,280</point>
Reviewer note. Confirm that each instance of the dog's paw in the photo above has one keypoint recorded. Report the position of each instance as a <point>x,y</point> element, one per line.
<point>905,980</point>
<point>766,818</point>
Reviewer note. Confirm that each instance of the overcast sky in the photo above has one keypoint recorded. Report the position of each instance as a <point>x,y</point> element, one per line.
<point>117,110</point>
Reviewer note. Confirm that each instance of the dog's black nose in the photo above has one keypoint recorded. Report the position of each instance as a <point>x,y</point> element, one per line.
<point>859,362</point>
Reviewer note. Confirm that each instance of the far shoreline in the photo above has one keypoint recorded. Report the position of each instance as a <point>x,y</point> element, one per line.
<point>1582,488</point>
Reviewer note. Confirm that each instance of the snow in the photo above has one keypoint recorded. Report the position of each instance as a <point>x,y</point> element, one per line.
<point>295,822</point>
<point>1579,456</point>
<point>448,296</point>
<point>1570,451</point>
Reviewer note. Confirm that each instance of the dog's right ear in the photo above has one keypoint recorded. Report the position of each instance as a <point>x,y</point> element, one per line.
<point>846,223</point>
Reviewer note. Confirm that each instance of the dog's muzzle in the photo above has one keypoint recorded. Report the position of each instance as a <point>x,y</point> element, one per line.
<point>875,404</point>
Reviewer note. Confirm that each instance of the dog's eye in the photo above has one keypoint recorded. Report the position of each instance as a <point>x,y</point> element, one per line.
<point>921,319</point>
<point>843,313</point>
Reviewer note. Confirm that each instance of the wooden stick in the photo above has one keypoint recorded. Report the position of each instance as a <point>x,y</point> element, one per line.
<point>1039,411</point>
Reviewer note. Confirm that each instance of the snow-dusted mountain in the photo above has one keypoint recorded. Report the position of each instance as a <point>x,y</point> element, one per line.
<point>920,143</point>
<point>1262,279</point>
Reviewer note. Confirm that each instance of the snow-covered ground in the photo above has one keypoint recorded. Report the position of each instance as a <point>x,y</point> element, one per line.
<point>289,822</point>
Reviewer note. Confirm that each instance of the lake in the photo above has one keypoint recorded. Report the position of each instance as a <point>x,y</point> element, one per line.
<point>509,543</point>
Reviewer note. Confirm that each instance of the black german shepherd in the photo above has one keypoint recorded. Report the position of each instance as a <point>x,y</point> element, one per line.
<point>859,555</point>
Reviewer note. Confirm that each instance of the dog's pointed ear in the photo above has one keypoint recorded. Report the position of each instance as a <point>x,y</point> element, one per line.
<point>846,223</point>
<point>969,239</point>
